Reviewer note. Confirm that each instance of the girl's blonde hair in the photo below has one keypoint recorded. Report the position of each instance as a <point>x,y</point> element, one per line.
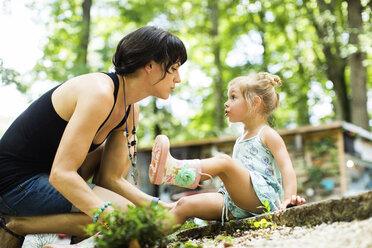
<point>260,84</point>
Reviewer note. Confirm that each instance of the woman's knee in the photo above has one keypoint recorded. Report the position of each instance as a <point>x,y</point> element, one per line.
<point>90,166</point>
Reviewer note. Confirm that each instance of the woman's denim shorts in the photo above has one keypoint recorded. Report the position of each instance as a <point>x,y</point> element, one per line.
<point>33,197</point>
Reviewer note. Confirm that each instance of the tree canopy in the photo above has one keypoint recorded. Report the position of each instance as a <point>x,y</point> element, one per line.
<point>320,48</point>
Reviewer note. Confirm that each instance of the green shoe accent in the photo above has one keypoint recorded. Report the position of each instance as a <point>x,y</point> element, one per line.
<point>186,176</point>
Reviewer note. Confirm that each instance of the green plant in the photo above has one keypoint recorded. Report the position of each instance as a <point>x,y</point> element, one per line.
<point>188,244</point>
<point>188,225</point>
<point>145,224</point>
<point>264,223</point>
<point>227,238</point>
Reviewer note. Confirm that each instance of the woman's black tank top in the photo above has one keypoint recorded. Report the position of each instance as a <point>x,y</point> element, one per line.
<point>29,145</point>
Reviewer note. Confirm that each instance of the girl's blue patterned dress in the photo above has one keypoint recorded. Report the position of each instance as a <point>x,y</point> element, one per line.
<point>265,175</point>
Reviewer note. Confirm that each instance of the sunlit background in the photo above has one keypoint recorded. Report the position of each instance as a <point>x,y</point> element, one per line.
<point>26,25</point>
<point>24,35</point>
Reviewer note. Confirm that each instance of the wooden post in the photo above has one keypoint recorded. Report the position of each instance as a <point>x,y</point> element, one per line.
<point>341,161</point>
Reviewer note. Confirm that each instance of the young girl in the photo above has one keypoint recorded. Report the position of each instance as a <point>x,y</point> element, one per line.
<point>258,169</point>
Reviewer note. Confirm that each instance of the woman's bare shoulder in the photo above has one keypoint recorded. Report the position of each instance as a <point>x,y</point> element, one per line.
<point>92,83</point>
<point>94,90</point>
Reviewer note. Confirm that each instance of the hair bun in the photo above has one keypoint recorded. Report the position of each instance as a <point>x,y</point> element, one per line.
<point>274,80</point>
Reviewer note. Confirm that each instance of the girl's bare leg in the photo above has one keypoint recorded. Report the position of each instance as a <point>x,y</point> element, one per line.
<point>207,206</point>
<point>166,169</point>
<point>236,180</point>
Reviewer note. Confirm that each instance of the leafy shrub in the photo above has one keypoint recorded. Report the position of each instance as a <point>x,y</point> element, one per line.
<point>264,223</point>
<point>144,224</point>
<point>188,225</point>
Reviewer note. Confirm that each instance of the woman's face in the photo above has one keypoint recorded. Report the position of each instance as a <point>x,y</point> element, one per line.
<point>166,85</point>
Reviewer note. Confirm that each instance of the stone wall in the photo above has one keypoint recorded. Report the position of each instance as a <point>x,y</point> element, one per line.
<point>326,211</point>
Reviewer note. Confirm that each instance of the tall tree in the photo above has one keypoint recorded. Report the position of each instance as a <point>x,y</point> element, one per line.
<point>82,56</point>
<point>358,72</point>
<point>328,20</point>
<point>290,22</point>
<point>66,52</point>
<point>218,90</point>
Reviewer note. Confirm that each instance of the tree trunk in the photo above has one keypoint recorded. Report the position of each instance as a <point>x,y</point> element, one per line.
<point>218,93</point>
<point>336,73</point>
<point>262,31</point>
<point>303,115</point>
<point>358,73</point>
<point>335,63</point>
<point>85,27</point>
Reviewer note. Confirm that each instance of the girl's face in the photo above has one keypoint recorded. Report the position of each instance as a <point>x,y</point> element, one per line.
<point>166,85</point>
<point>236,107</point>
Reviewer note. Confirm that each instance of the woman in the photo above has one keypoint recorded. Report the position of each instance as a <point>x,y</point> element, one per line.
<point>75,132</point>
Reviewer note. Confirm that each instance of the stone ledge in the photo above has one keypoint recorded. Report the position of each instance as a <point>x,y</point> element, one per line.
<point>327,211</point>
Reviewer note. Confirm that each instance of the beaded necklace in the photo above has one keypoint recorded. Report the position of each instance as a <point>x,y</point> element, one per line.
<point>132,157</point>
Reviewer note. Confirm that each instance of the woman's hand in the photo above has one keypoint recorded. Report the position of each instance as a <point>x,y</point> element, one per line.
<point>294,200</point>
<point>168,205</point>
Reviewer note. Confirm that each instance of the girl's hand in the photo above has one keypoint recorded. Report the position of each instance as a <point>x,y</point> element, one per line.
<point>295,200</point>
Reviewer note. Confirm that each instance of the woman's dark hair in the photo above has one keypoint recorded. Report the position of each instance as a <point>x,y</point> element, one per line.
<point>148,43</point>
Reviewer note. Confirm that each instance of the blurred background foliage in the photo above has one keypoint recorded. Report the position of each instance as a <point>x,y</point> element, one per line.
<point>320,48</point>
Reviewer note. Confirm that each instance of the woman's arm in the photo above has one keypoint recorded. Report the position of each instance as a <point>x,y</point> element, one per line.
<point>82,126</point>
<point>277,147</point>
<point>115,164</point>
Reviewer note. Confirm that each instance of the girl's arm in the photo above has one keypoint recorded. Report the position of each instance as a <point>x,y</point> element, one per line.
<point>275,143</point>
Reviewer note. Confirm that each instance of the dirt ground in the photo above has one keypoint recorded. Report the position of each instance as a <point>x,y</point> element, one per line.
<point>355,234</point>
